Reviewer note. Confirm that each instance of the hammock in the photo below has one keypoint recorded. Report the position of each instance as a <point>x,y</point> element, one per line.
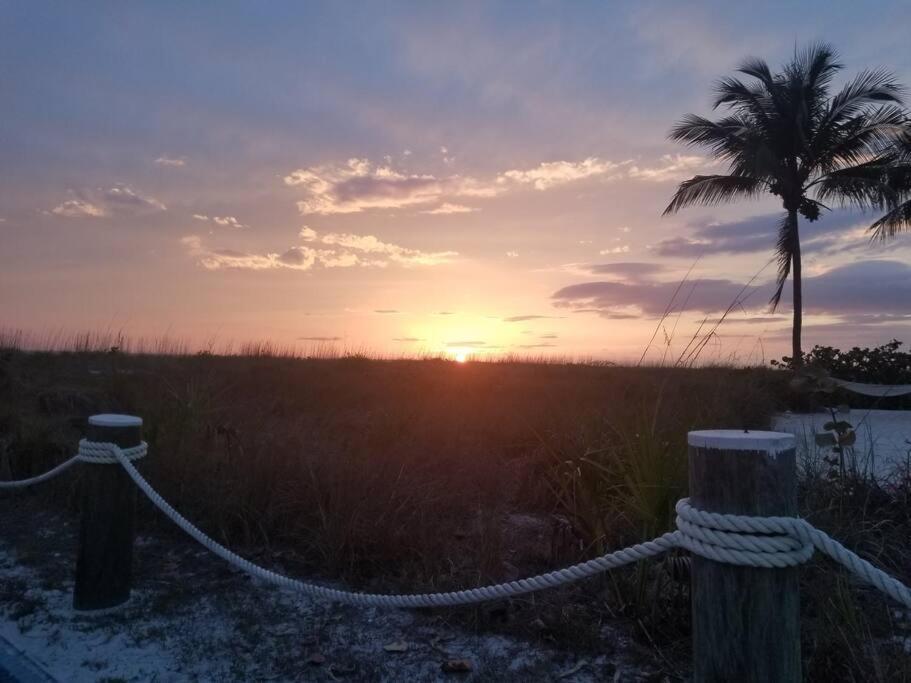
<point>880,390</point>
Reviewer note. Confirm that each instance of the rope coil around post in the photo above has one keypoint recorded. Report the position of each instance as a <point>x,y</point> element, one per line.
<point>91,452</point>
<point>103,453</point>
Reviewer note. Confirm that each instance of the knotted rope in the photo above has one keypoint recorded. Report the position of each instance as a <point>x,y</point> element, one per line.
<point>104,453</point>
<point>765,542</point>
<point>93,452</point>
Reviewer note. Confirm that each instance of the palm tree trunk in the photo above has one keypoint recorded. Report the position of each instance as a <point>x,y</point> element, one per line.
<point>796,353</point>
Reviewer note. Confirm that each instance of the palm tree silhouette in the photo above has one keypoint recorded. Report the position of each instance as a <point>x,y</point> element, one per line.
<point>785,135</point>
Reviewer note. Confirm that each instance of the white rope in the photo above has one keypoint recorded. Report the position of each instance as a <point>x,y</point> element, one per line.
<point>765,542</point>
<point>103,453</point>
<point>93,452</point>
<point>50,474</point>
<point>735,539</point>
<point>878,390</point>
<point>464,597</point>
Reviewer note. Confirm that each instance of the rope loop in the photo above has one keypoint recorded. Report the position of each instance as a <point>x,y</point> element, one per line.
<point>105,453</point>
<point>770,542</point>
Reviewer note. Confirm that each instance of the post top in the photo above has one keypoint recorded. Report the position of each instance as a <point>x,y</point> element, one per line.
<point>113,420</point>
<point>742,440</point>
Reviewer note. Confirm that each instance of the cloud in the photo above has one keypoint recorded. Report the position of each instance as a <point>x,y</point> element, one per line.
<point>553,173</point>
<point>873,291</point>
<point>376,251</point>
<point>78,208</point>
<point>523,318</point>
<point>674,167</point>
<point>359,186</point>
<point>126,199</point>
<point>347,250</point>
<point>118,200</point>
<point>165,160</point>
<point>547,336</point>
<point>537,346</point>
<point>407,339</point>
<point>512,254</point>
<point>449,208</point>
<point>633,270</point>
<point>470,344</point>
<point>320,339</point>
<point>224,221</point>
<point>296,258</point>
<point>385,310</point>
<point>620,249</point>
<point>645,298</point>
<point>876,287</point>
<point>837,230</point>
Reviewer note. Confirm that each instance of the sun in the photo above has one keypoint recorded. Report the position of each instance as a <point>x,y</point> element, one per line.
<point>461,357</point>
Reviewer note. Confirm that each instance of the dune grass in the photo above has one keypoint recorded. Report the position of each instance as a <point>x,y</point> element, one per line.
<point>408,474</point>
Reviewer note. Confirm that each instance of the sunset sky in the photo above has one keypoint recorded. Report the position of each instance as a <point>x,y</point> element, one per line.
<point>410,177</point>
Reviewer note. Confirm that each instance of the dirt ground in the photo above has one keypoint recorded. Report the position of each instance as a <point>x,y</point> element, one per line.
<point>193,618</point>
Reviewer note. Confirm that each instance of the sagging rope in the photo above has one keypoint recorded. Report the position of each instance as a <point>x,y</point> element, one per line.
<point>96,452</point>
<point>765,542</point>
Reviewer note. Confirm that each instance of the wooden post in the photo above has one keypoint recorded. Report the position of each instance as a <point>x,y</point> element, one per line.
<point>745,619</point>
<point>104,564</point>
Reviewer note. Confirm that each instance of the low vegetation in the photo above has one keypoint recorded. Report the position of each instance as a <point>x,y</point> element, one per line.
<point>430,475</point>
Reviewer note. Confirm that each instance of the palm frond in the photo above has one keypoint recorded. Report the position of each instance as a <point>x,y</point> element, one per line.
<point>864,185</point>
<point>864,137</point>
<point>749,99</point>
<point>784,251</point>
<point>873,86</point>
<point>709,190</point>
<point>896,220</point>
<point>759,69</point>
<point>815,65</point>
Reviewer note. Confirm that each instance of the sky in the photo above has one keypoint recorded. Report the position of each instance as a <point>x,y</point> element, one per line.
<point>412,178</point>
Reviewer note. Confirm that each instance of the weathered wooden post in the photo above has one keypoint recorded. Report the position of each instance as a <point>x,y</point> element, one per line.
<point>104,564</point>
<point>745,619</point>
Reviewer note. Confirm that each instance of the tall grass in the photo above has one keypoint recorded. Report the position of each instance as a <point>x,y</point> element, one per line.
<point>404,474</point>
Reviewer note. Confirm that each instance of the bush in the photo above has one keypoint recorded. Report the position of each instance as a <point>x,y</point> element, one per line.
<point>886,364</point>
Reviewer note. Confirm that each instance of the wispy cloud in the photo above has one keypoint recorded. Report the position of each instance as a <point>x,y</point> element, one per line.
<point>347,250</point>
<point>165,160</point>
<point>523,318</point>
<point>674,167</point>
<point>359,186</point>
<point>553,173</point>
<point>78,208</point>
<point>120,199</point>
<point>320,339</point>
<point>223,221</point>
<point>862,288</point>
<point>449,208</point>
<point>841,230</point>
<point>375,250</point>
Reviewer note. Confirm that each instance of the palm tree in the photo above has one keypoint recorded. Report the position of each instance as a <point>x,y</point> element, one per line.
<point>785,135</point>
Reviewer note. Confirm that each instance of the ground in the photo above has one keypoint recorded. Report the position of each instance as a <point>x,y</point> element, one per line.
<point>192,618</point>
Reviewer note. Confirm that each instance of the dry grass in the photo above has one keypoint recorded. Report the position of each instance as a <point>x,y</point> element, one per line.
<point>400,474</point>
